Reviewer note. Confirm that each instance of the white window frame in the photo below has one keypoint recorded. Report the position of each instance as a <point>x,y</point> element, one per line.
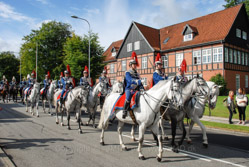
<point>197,55</point>
<point>244,35</point>
<point>188,37</point>
<point>165,61</point>
<point>246,59</point>
<point>246,81</point>
<point>230,53</point>
<point>144,82</point>
<point>144,62</point>
<point>179,58</point>
<point>114,54</point>
<point>235,56</point>
<point>112,68</point>
<point>242,58</point>
<point>237,82</point>
<point>239,57</point>
<point>129,47</point>
<point>137,45</point>
<point>226,55</point>
<point>206,56</point>
<point>217,54</point>
<point>238,33</point>
<point>123,65</point>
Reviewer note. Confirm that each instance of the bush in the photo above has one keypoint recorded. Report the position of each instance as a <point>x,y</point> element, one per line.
<point>219,80</point>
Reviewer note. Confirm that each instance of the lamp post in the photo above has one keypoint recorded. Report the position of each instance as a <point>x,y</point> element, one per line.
<point>76,17</point>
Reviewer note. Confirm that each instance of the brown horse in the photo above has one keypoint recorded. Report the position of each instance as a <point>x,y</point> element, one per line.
<point>5,92</point>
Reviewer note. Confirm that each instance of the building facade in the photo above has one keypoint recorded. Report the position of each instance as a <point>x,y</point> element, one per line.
<point>211,44</point>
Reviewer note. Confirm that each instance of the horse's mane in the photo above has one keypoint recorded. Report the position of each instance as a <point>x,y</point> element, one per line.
<point>159,84</point>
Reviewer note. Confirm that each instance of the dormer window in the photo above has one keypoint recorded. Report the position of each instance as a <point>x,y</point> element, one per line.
<point>189,32</point>
<point>188,37</point>
<point>114,52</point>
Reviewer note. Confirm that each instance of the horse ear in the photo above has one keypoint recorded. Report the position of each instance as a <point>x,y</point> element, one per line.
<point>175,78</point>
<point>220,86</point>
<point>197,75</point>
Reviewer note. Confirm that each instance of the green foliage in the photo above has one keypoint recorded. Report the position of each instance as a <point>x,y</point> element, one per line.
<point>9,66</point>
<point>76,55</point>
<point>231,3</point>
<point>219,80</point>
<point>50,39</point>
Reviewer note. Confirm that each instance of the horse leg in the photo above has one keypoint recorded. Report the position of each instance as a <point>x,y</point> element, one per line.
<point>140,141</point>
<point>50,106</point>
<point>181,124</point>
<point>133,133</point>
<point>120,126</point>
<point>56,111</point>
<point>93,118</point>
<point>62,113</point>
<point>102,137</point>
<point>90,117</point>
<point>173,131</point>
<point>156,132</point>
<point>189,131</point>
<point>68,120</point>
<point>79,120</point>
<point>204,133</point>
<point>37,109</point>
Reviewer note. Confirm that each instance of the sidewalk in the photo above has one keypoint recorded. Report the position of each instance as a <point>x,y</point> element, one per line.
<point>4,160</point>
<point>222,120</point>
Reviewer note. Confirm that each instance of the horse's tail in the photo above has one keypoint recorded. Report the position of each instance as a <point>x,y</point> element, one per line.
<point>102,123</point>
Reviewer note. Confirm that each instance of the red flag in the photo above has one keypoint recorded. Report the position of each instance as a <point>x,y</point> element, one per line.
<point>184,66</point>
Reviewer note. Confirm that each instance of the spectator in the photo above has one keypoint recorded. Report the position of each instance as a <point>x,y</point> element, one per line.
<point>231,105</point>
<point>241,101</point>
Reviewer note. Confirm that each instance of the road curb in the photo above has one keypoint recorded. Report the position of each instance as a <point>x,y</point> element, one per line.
<point>5,159</point>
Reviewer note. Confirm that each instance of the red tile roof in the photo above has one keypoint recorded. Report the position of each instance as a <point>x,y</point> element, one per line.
<point>108,52</point>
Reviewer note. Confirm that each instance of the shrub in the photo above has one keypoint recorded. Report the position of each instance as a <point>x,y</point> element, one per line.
<point>219,80</point>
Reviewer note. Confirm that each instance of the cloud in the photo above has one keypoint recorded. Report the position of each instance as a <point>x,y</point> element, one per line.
<point>38,25</point>
<point>12,44</point>
<point>45,2</point>
<point>7,12</point>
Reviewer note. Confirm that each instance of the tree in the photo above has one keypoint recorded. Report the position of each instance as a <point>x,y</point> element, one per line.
<point>9,66</point>
<point>76,55</point>
<point>231,3</point>
<point>49,40</point>
<point>219,80</point>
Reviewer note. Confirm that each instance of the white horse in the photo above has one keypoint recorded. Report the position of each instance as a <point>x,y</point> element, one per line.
<point>49,96</point>
<point>117,87</point>
<point>75,98</point>
<point>146,114</point>
<point>33,99</point>
<point>195,109</point>
<point>92,100</point>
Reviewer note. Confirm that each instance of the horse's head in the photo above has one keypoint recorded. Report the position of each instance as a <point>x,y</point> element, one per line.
<point>102,88</point>
<point>201,88</point>
<point>176,93</point>
<point>83,94</point>
<point>53,84</point>
<point>214,93</point>
<point>117,87</point>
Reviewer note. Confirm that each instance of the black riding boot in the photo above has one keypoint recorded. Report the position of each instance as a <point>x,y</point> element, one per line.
<point>126,108</point>
<point>61,100</point>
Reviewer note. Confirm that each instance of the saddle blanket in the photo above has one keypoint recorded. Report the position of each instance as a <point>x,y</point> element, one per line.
<point>119,104</point>
<point>64,96</point>
<point>27,92</point>
<point>43,91</point>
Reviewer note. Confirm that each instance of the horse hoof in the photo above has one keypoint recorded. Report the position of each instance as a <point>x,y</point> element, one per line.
<point>166,138</point>
<point>37,116</point>
<point>62,124</point>
<point>175,150</point>
<point>69,128</point>
<point>189,142</point>
<point>87,124</point>
<point>205,145</point>
<point>134,139</point>
<point>57,123</point>
<point>141,158</point>
<point>159,159</point>
<point>80,132</point>
<point>94,126</point>
<point>102,143</point>
<point>26,110</point>
<point>124,149</point>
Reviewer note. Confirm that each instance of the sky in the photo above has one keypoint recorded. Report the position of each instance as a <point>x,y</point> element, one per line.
<point>109,18</point>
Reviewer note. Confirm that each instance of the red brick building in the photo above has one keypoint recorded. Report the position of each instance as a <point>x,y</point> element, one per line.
<point>211,44</point>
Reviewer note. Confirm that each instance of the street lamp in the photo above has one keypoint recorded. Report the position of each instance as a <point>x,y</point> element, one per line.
<point>76,17</point>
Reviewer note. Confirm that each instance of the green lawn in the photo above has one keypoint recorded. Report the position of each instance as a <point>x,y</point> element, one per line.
<point>221,111</point>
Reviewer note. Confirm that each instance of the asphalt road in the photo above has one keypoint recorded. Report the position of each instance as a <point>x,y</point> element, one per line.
<point>37,142</point>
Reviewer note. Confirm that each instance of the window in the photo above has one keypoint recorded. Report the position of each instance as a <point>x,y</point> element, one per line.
<point>165,61</point>
<point>137,45</point>
<point>112,68</point>
<point>206,56</point>
<point>144,62</point>
<point>239,58</point>
<point>242,58</point>
<point>246,59</point>
<point>246,81</point>
<point>230,56</point>
<point>237,82</point>
<point>235,56</point>
<point>179,58</point>
<point>113,54</point>
<point>144,81</point>
<point>124,65</point>
<point>129,47</point>
<point>217,55</point>
<point>188,37</point>
<point>197,57</point>
<point>244,35</point>
<point>226,54</point>
<point>238,33</point>
<point>166,40</point>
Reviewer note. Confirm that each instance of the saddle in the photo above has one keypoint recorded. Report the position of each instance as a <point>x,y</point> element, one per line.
<point>119,105</point>
<point>64,96</point>
<point>43,91</point>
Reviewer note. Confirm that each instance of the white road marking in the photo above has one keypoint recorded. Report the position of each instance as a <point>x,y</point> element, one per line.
<point>191,154</point>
